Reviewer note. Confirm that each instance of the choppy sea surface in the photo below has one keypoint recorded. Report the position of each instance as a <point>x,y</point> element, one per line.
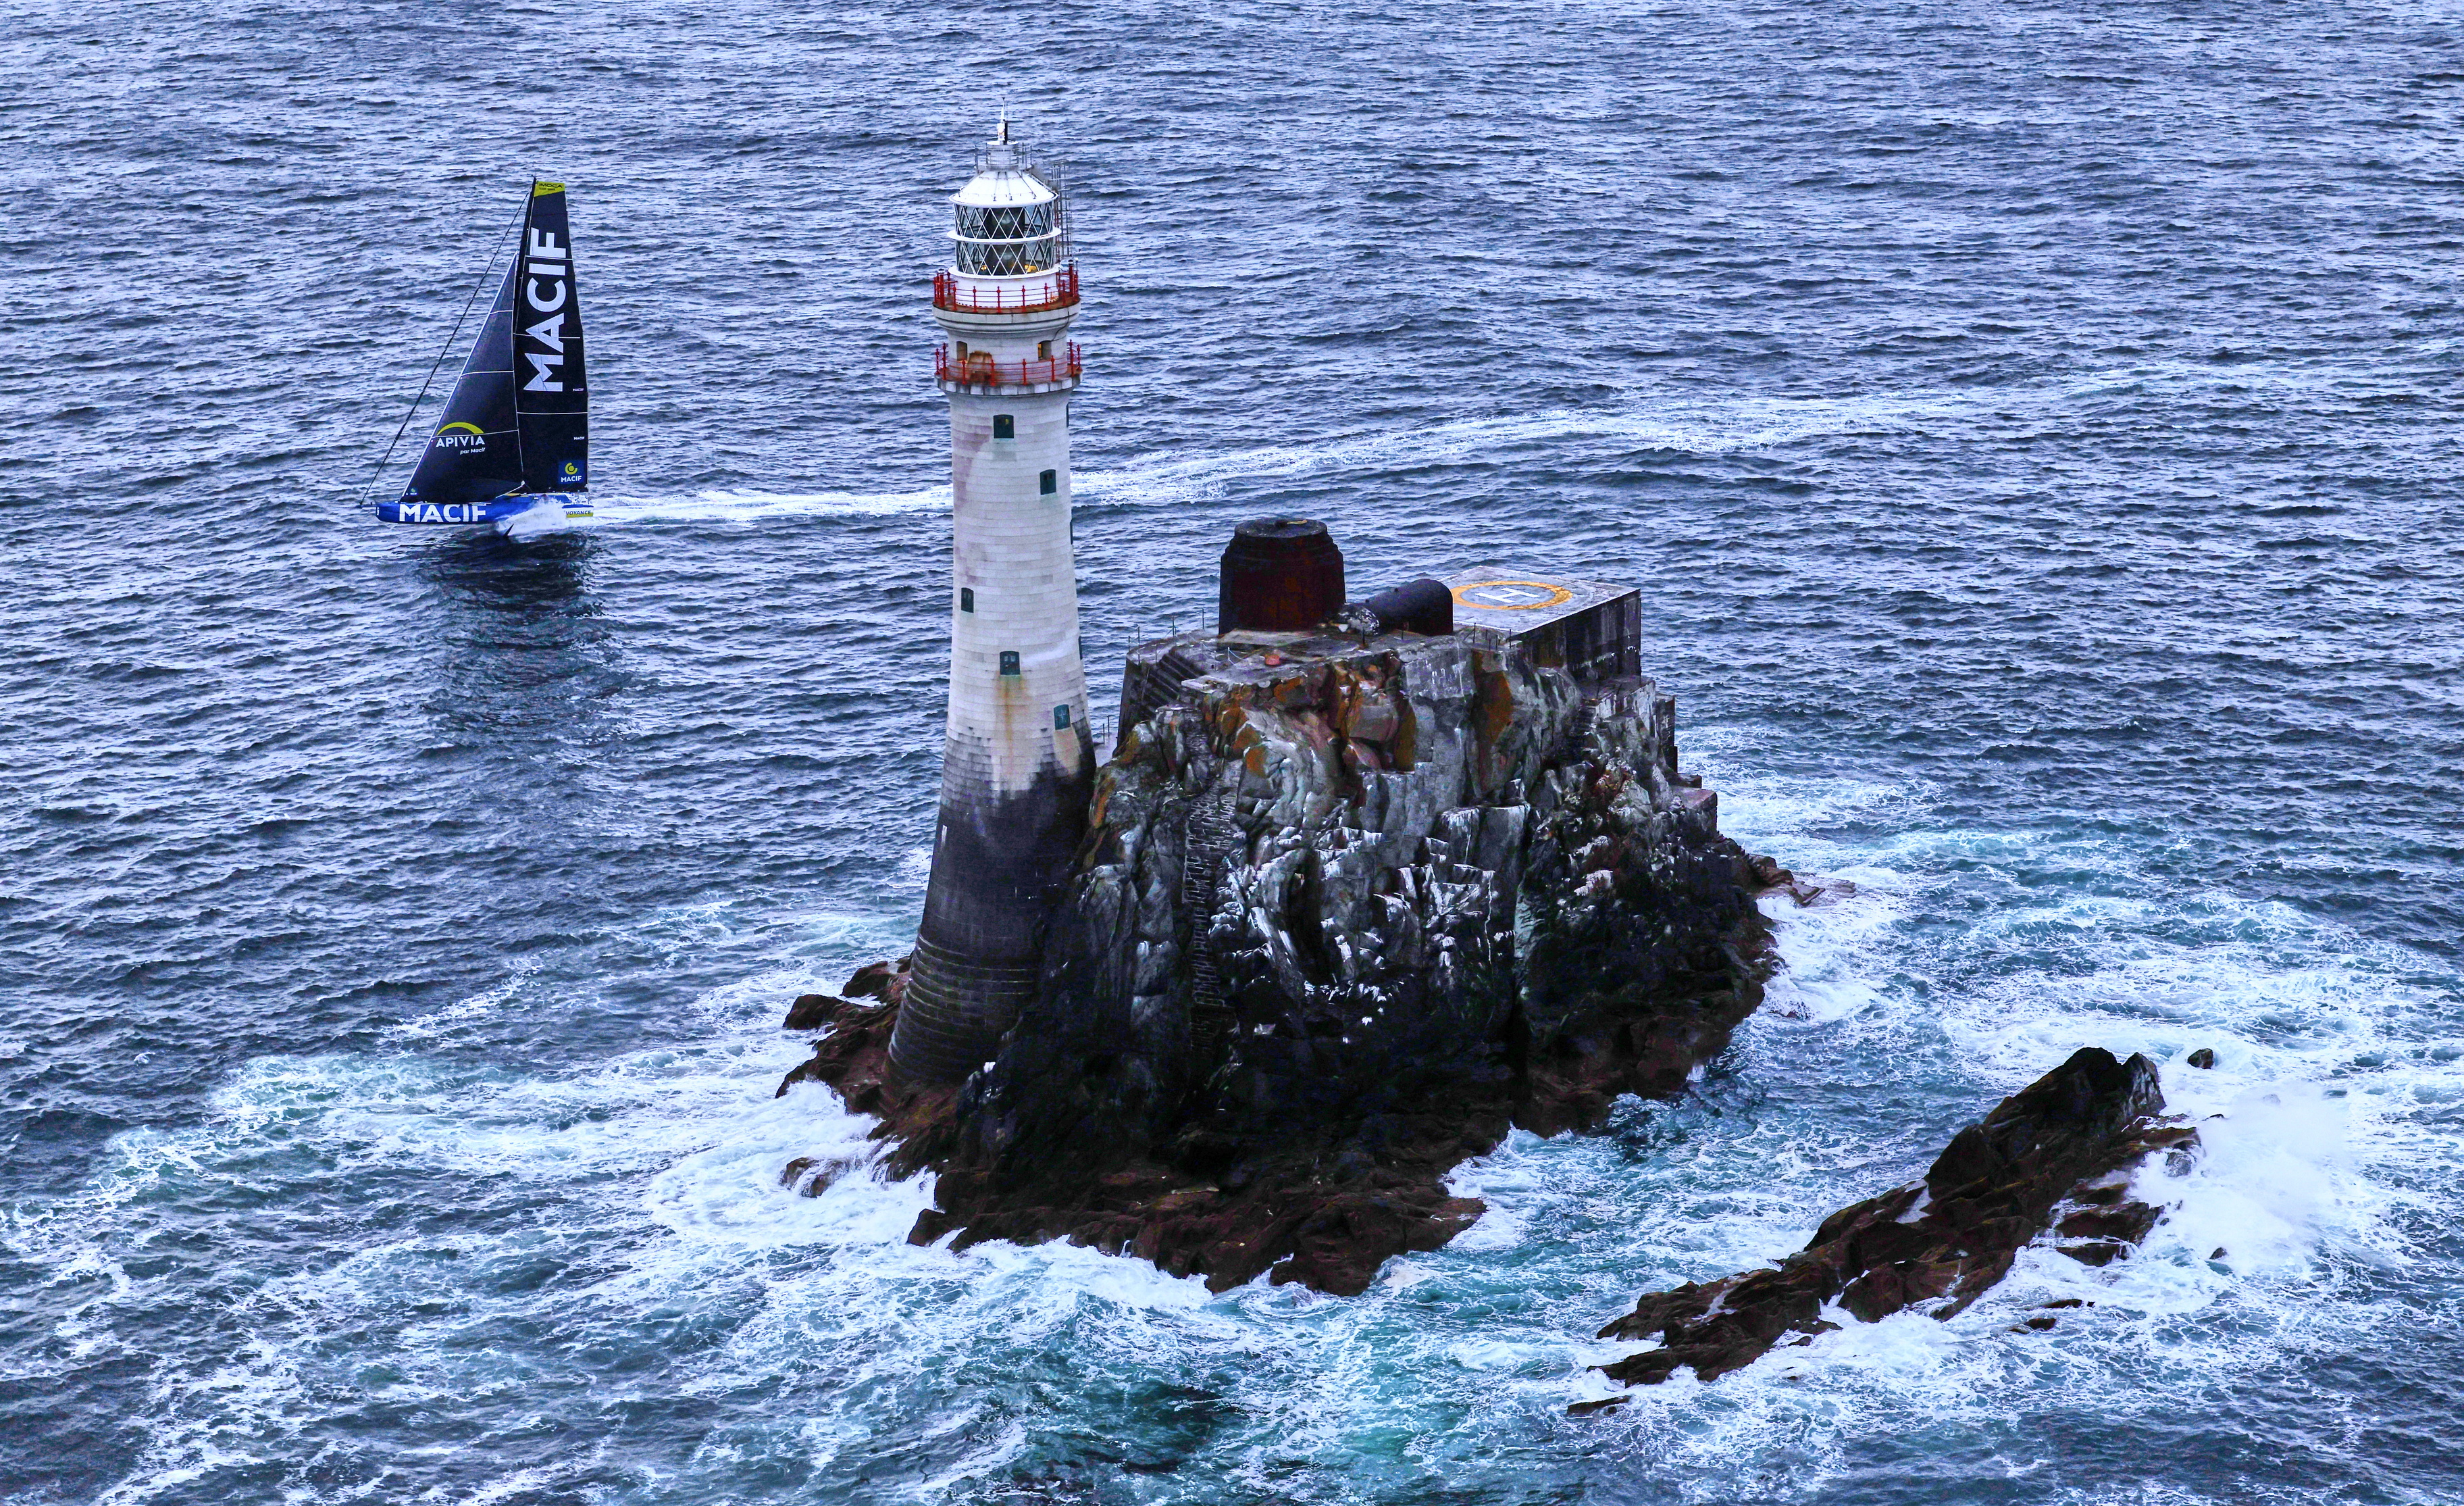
<point>2033,427</point>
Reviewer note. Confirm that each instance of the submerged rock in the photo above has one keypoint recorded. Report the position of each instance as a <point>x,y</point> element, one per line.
<point>811,1176</point>
<point>1348,909</point>
<point>2058,1155</point>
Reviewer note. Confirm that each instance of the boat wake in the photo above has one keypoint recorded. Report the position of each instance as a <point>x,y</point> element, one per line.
<point>746,509</point>
<point>1683,424</point>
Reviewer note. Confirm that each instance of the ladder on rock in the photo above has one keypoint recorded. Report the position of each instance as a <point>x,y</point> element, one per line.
<point>1209,835</point>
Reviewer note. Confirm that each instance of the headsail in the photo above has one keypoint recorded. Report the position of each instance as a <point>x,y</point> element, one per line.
<point>476,451</point>
<point>518,421</point>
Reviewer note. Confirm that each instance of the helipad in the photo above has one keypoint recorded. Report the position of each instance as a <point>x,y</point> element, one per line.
<point>1589,628</point>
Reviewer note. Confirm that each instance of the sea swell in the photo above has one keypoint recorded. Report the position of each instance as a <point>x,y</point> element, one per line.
<point>628,1219</point>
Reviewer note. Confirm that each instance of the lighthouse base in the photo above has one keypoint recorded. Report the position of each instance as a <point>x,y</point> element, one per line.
<point>955,1012</point>
<point>1001,866</point>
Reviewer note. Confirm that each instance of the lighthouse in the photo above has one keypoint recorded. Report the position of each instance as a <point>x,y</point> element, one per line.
<point>1017,762</point>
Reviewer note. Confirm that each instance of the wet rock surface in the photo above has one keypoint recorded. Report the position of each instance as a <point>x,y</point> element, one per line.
<point>2057,1156</point>
<point>1347,911</point>
<point>812,1011</point>
<point>853,1056</point>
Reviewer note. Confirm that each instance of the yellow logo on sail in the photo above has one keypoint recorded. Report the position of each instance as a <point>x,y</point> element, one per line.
<point>465,428</point>
<point>541,190</point>
<point>460,435</point>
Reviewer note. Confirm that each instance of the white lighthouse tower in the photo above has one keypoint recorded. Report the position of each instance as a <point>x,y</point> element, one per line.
<point>1018,765</point>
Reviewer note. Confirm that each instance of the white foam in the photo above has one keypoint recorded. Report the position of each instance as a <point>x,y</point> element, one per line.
<point>1683,424</point>
<point>478,1007</point>
<point>519,1483</point>
<point>750,509</point>
<point>603,1151</point>
<point>652,1177</point>
<point>541,519</point>
<point>1969,962</point>
<point>730,1195</point>
<point>1822,947</point>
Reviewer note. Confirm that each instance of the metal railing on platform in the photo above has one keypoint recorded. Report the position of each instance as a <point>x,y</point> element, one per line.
<point>976,369</point>
<point>1060,292</point>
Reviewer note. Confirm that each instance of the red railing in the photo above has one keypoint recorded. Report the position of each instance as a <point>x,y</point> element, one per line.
<point>1061,294</point>
<point>977,369</point>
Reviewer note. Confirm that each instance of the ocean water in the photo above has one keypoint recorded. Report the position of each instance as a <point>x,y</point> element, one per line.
<point>2033,427</point>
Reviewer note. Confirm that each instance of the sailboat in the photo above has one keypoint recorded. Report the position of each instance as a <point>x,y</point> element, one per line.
<point>515,438</point>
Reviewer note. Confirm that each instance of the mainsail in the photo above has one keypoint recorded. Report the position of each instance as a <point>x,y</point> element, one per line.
<point>518,419</point>
<point>551,408</point>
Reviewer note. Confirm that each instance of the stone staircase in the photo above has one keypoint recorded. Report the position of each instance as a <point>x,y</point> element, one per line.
<point>1208,836</point>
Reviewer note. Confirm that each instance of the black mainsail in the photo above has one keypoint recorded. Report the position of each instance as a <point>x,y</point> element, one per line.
<point>518,424</point>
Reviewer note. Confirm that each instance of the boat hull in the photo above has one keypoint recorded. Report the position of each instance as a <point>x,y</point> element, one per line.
<point>496,510</point>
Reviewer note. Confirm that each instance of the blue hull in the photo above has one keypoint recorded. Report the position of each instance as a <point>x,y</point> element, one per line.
<point>470,513</point>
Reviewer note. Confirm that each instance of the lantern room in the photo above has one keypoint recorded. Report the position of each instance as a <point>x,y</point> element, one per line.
<point>1007,220</point>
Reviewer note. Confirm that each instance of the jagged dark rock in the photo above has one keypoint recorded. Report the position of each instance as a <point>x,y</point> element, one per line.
<point>811,1011</point>
<point>873,980</point>
<point>2058,1155</point>
<point>1341,920</point>
<point>2203,1058</point>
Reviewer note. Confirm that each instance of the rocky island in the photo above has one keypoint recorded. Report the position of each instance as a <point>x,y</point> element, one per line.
<point>1353,899</point>
<point>2057,1157</point>
<point>1363,887</point>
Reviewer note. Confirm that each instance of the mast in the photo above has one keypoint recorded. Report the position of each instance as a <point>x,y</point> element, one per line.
<point>1018,763</point>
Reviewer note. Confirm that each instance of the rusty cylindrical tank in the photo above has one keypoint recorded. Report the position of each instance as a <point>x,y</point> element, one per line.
<point>1280,575</point>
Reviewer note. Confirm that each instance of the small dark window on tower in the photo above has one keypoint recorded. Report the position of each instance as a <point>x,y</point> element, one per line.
<point>1059,717</point>
<point>1051,481</point>
<point>966,598</point>
<point>1009,661</point>
<point>1044,350</point>
<point>1005,427</point>
<point>963,350</point>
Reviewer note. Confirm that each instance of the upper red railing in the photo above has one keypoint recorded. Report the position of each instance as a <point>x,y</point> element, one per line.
<point>976,369</point>
<point>1035,298</point>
